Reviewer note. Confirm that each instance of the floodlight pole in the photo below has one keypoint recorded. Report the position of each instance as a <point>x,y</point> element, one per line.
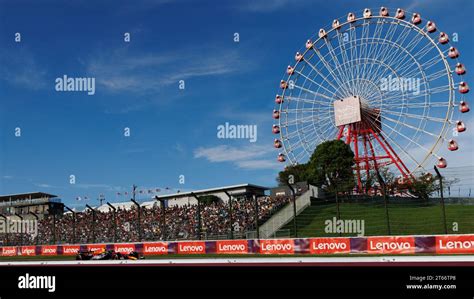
<point>115,220</point>
<point>199,215</point>
<point>442,199</point>
<point>37,220</point>
<point>230,214</point>
<point>139,218</point>
<point>293,198</point>
<point>93,222</point>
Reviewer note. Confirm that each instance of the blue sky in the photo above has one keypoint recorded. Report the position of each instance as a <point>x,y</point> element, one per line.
<point>173,131</point>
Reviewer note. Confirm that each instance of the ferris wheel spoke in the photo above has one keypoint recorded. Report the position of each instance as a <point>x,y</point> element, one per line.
<point>436,75</point>
<point>373,46</point>
<point>337,65</point>
<point>305,119</point>
<point>389,36</point>
<point>387,48</point>
<point>345,57</point>
<point>308,62</point>
<point>419,105</point>
<point>393,141</point>
<point>328,68</point>
<point>314,93</point>
<point>314,82</point>
<point>415,116</point>
<point>410,126</point>
<point>423,93</point>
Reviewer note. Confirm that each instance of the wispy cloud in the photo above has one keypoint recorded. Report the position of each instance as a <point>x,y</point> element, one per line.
<point>264,6</point>
<point>41,185</point>
<point>21,69</point>
<point>104,187</point>
<point>122,71</point>
<point>245,157</point>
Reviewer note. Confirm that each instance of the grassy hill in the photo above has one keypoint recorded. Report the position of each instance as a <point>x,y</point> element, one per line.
<point>407,217</point>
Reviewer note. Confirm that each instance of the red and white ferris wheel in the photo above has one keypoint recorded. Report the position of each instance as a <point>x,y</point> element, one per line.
<point>387,82</point>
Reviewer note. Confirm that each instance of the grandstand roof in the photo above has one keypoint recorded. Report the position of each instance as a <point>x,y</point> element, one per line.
<point>127,205</point>
<point>213,190</point>
<point>29,195</point>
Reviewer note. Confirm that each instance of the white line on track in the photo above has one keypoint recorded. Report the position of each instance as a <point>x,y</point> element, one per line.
<point>262,261</point>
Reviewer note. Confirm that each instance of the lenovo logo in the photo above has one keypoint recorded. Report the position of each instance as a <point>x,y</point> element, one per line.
<point>191,247</point>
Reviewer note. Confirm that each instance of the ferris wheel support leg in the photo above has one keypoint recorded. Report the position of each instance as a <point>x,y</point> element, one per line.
<point>348,137</point>
<point>393,156</point>
<point>341,131</point>
<point>376,166</point>
<point>367,166</point>
<point>395,153</point>
<point>357,159</point>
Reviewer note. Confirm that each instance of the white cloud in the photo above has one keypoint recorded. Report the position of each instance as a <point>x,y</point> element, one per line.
<point>246,157</point>
<point>262,6</point>
<point>20,68</point>
<point>143,73</point>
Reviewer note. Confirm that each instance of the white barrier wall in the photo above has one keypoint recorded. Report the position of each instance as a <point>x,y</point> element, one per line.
<point>285,215</point>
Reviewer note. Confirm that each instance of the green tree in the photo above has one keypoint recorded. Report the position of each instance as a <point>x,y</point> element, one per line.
<point>331,166</point>
<point>298,171</point>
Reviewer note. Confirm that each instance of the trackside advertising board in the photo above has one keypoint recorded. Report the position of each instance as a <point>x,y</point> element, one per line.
<point>446,244</point>
<point>329,245</point>
<point>463,244</point>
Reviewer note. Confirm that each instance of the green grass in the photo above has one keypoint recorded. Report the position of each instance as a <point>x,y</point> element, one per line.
<point>405,218</point>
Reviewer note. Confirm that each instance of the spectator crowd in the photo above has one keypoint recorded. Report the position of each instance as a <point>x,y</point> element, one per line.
<point>148,224</point>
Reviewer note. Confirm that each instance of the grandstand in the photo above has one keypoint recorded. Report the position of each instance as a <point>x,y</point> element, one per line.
<point>242,211</point>
<point>169,217</point>
<point>38,203</point>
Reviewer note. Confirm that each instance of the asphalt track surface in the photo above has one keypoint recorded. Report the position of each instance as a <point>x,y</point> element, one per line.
<point>462,260</point>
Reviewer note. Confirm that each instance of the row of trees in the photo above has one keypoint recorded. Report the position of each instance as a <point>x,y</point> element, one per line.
<point>331,167</point>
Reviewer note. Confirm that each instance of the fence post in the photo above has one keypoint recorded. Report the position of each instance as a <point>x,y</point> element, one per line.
<point>114,210</point>
<point>199,215</point>
<point>256,215</point>
<point>37,223</point>
<point>230,215</point>
<point>442,199</point>
<point>54,228</point>
<point>21,234</point>
<point>385,200</point>
<point>93,222</point>
<point>293,197</point>
<point>139,226</point>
